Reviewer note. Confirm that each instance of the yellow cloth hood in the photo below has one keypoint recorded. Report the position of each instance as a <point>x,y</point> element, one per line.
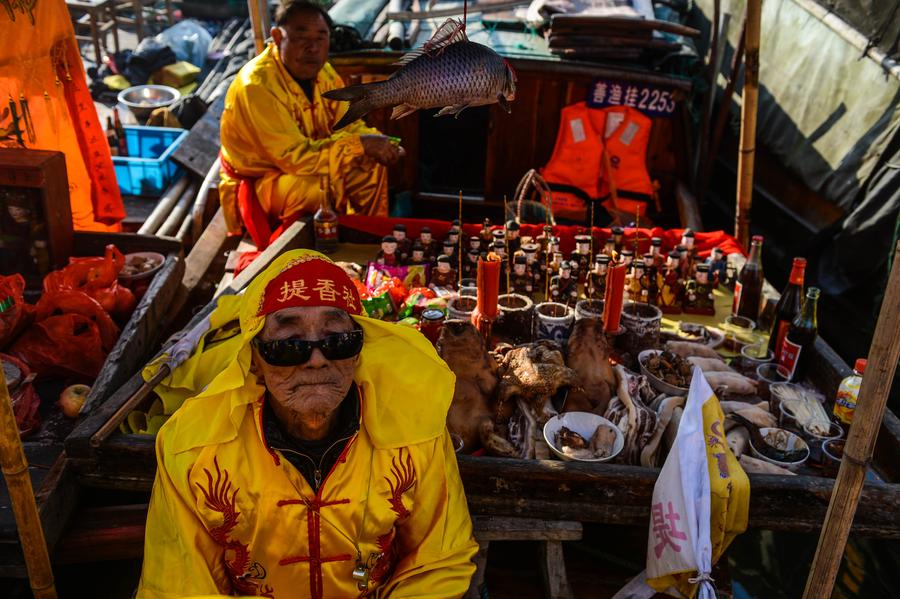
<point>405,387</point>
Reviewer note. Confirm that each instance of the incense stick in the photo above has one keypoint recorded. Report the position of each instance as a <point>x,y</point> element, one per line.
<point>460,242</point>
<point>506,236</point>
<point>590,279</point>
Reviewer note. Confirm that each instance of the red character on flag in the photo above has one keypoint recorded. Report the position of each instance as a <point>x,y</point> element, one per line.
<point>666,531</point>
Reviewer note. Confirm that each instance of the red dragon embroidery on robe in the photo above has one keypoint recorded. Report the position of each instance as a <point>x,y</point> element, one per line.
<point>220,498</point>
<point>402,479</point>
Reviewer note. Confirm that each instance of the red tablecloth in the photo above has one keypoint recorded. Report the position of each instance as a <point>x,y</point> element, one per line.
<point>380,226</point>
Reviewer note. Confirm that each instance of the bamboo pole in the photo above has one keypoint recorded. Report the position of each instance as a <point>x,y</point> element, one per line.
<point>749,102</point>
<point>257,23</point>
<point>873,395</point>
<point>21,494</point>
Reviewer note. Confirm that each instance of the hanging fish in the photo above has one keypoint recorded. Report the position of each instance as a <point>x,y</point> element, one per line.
<point>448,71</point>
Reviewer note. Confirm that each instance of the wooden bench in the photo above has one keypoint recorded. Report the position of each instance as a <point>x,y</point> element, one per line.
<point>550,533</point>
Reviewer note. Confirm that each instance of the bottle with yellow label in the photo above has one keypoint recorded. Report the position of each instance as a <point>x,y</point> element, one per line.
<point>848,391</point>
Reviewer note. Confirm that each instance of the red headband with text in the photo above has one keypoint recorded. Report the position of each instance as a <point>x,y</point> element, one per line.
<point>311,282</point>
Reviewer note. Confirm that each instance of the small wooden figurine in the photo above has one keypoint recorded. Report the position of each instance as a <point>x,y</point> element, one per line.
<point>444,275</point>
<point>564,287</point>
<point>404,245</point>
<point>521,279</point>
<point>388,253</point>
<point>698,298</point>
<point>670,286</point>
<point>596,287</point>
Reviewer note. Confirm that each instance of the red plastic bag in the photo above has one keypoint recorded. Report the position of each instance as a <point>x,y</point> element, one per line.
<point>98,278</point>
<point>17,314</point>
<point>67,345</point>
<point>25,401</point>
<point>54,303</point>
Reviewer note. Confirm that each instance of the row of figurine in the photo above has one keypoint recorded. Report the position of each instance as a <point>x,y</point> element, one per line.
<point>675,282</point>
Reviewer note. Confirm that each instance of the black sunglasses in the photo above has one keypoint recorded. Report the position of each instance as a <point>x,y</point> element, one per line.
<point>294,352</point>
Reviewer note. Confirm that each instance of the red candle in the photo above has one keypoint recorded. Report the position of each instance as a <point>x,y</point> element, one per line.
<point>615,293</point>
<point>488,283</point>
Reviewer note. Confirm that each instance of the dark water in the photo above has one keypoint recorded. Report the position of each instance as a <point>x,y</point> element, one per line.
<point>774,565</point>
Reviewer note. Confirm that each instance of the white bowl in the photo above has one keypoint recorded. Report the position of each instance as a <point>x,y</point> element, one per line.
<point>794,442</point>
<point>656,382</point>
<point>585,424</point>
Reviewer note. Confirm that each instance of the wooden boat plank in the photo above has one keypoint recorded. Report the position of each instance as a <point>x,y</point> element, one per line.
<point>616,494</point>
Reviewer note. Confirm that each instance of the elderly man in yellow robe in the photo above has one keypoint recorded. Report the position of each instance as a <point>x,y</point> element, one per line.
<point>314,459</point>
<point>278,137</point>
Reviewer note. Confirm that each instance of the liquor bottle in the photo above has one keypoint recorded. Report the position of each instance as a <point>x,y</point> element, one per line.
<point>120,133</point>
<point>748,289</point>
<point>111,137</point>
<point>788,306</point>
<point>325,221</point>
<point>796,349</point>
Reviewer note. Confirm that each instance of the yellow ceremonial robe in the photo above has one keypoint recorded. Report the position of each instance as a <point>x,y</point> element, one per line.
<point>273,134</point>
<point>228,515</point>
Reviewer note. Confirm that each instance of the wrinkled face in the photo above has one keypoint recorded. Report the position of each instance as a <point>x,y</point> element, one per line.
<point>315,389</point>
<point>388,247</point>
<point>303,44</point>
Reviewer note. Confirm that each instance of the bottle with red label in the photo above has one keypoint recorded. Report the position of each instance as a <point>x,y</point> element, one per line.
<point>325,221</point>
<point>788,306</point>
<point>748,288</point>
<point>796,349</point>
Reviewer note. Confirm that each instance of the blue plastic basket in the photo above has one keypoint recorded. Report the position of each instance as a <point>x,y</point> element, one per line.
<point>148,169</point>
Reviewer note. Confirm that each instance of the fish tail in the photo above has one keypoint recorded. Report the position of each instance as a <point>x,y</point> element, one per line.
<point>360,98</point>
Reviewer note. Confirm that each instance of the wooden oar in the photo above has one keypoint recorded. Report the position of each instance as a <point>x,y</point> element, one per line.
<point>130,404</point>
<point>873,395</point>
<point>749,102</point>
<point>18,484</point>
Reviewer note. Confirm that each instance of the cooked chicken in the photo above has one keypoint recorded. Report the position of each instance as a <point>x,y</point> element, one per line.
<point>588,355</point>
<point>463,349</point>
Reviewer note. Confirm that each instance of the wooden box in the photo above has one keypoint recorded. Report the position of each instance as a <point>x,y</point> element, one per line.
<point>35,214</point>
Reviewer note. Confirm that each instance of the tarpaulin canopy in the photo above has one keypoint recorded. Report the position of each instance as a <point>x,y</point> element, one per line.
<point>832,117</point>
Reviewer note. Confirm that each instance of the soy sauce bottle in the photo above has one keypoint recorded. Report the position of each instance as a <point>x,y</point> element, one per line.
<point>325,221</point>
<point>748,289</point>
<point>796,349</point>
<point>788,306</point>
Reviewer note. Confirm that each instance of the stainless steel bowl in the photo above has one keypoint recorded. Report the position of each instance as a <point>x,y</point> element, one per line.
<point>141,100</point>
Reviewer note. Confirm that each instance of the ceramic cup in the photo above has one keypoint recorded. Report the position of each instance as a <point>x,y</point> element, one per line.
<point>461,307</point>
<point>514,322</point>
<point>589,309</point>
<point>816,439</point>
<point>553,321</point>
<point>642,322</point>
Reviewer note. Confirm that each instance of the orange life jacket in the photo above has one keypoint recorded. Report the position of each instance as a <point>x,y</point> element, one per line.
<point>627,135</point>
<point>577,159</point>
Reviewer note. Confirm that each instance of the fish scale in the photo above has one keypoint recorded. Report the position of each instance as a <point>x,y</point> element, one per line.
<point>456,75</point>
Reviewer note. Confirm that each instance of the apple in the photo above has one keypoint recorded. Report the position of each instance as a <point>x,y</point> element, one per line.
<point>72,398</point>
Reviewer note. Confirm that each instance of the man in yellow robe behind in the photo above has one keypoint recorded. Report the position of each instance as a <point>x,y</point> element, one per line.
<point>278,139</point>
